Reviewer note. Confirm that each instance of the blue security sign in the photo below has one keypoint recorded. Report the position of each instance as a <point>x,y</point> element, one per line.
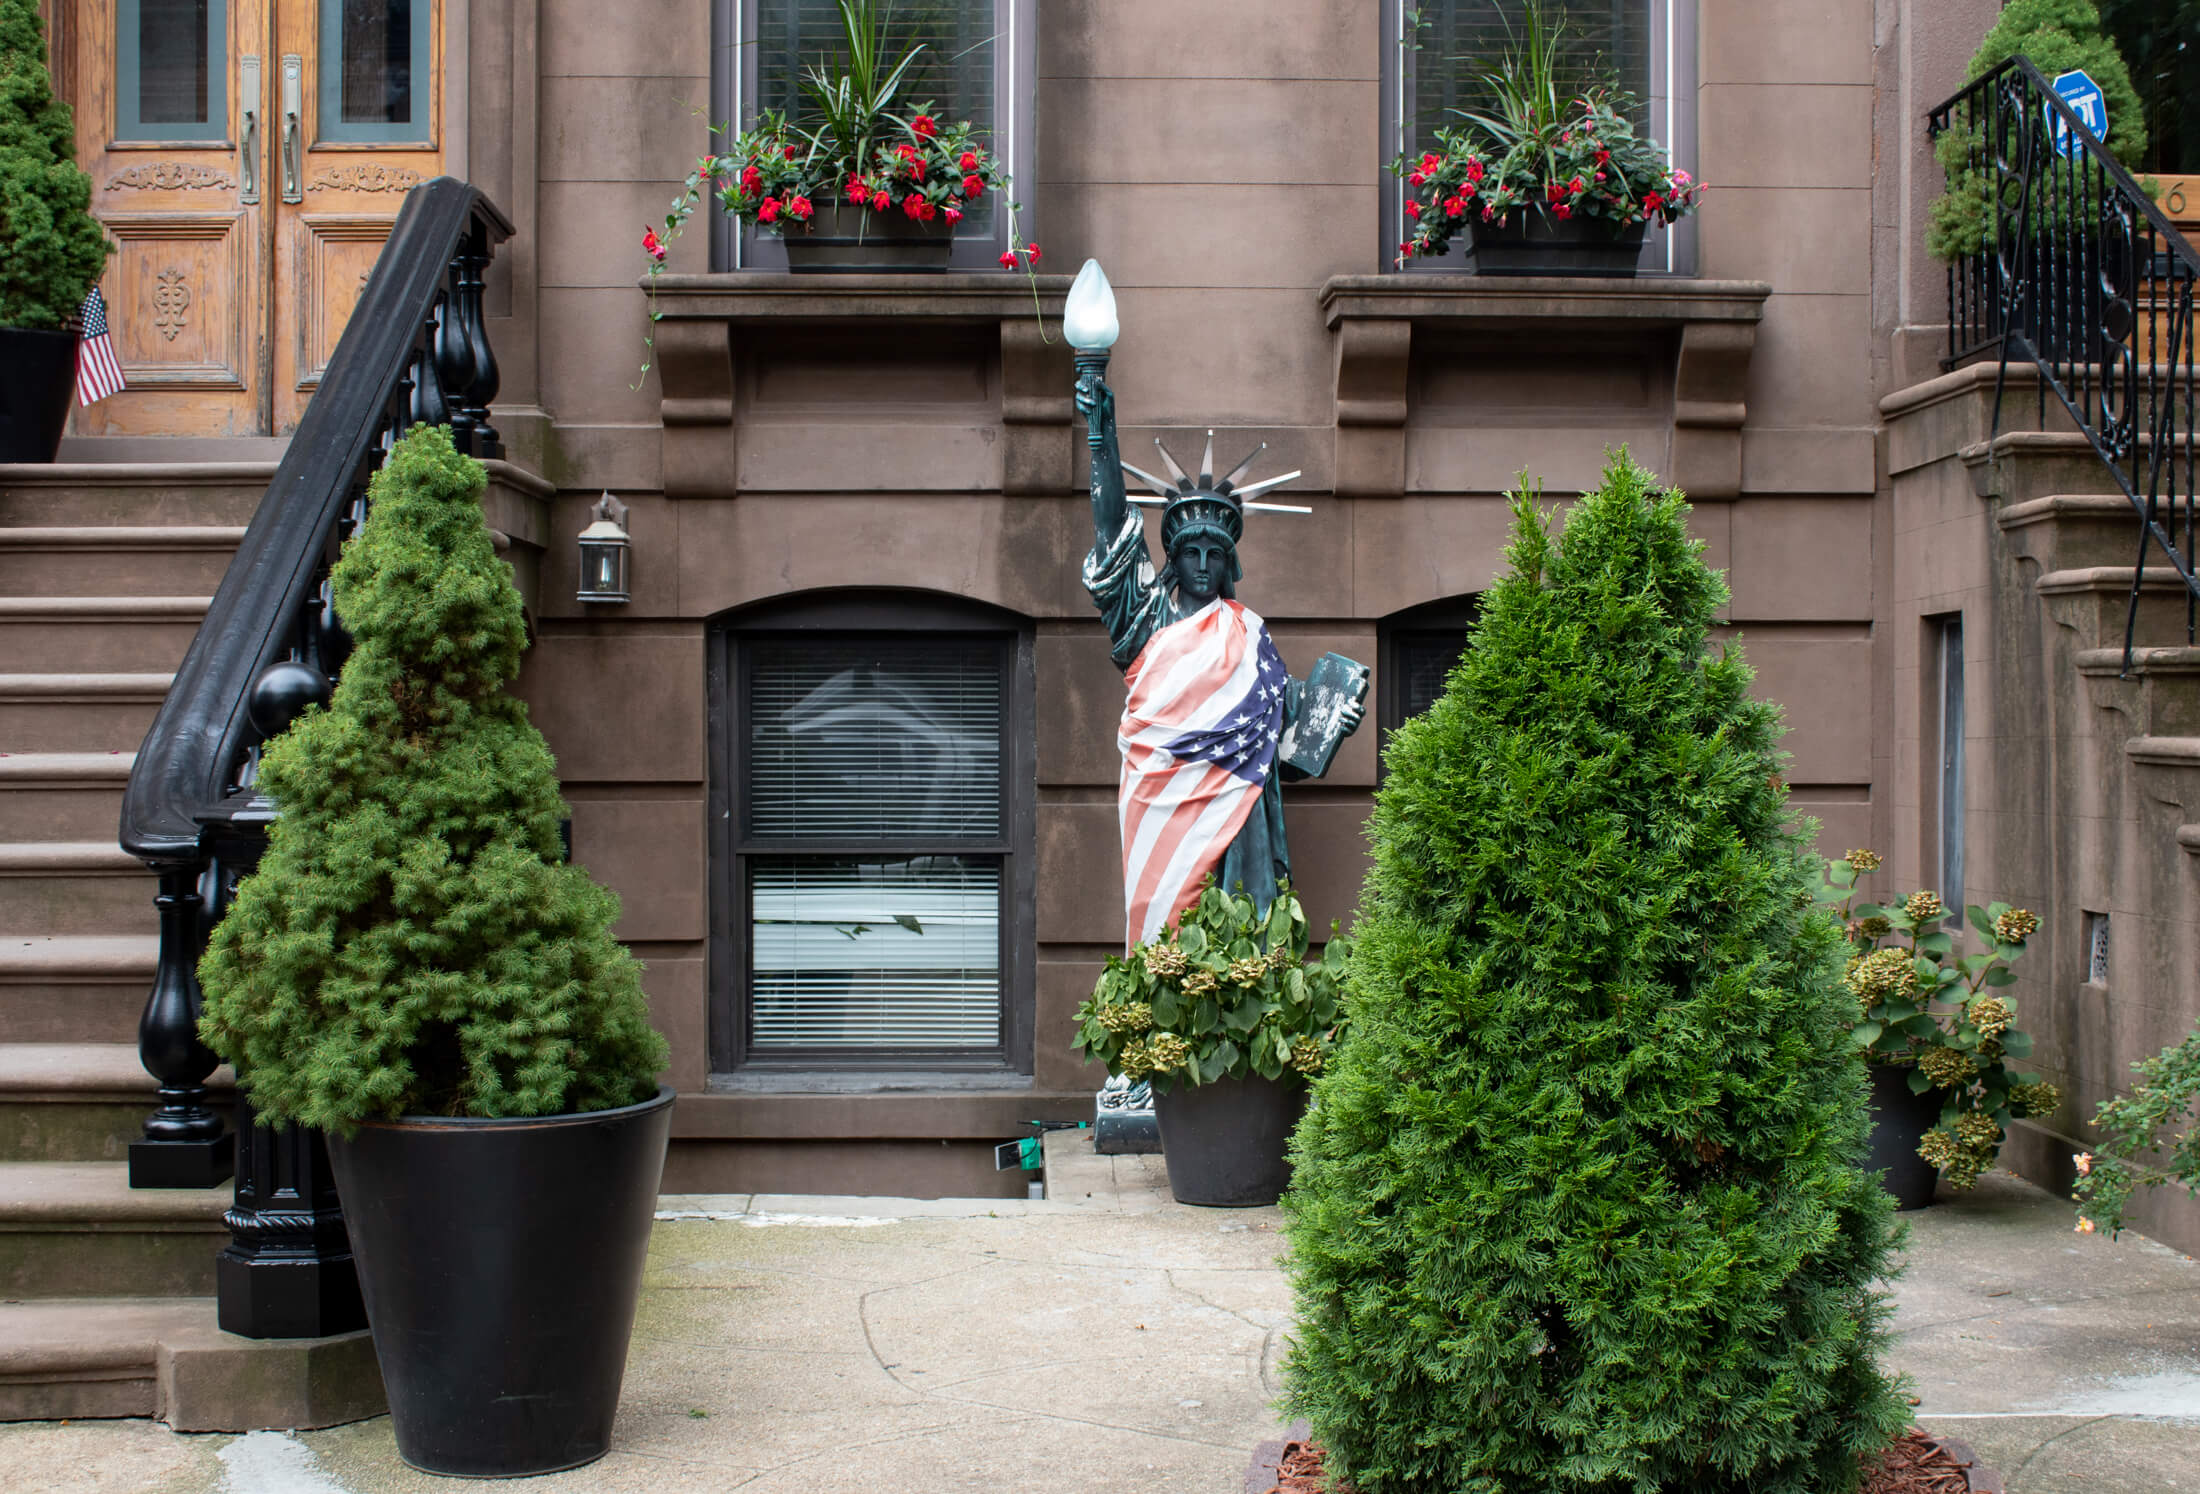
<point>2077,89</point>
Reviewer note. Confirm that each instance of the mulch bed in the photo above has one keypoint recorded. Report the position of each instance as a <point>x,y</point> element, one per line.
<point>1916,1464</point>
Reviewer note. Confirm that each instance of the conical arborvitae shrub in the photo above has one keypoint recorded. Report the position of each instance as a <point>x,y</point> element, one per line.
<point>413,942</point>
<point>1576,1204</point>
<point>51,248</point>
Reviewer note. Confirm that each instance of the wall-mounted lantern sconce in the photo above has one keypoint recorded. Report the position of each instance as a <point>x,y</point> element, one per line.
<point>604,550</point>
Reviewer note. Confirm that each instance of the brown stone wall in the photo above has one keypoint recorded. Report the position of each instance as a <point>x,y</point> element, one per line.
<point>1225,173</point>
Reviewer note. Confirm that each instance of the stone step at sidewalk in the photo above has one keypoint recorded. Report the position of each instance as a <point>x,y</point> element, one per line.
<point>75,887</point>
<point>78,712</point>
<point>78,1229</point>
<point>70,494</point>
<point>76,988</point>
<point>166,1357</point>
<point>61,796</point>
<point>97,635</point>
<point>80,1102</point>
<point>115,560</point>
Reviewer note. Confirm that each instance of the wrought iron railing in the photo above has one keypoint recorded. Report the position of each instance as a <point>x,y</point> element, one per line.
<point>416,350</point>
<point>2064,262</point>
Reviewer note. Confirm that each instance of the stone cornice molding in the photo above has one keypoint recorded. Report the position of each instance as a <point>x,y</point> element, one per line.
<point>702,319</point>
<point>1372,319</point>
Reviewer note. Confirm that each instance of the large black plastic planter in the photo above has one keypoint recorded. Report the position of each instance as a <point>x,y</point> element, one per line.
<point>846,239</point>
<point>1225,1141</point>
<point>1899,1122</point>
<point>37,382</point>
<point>1531,244</point>
<point>501,1262</point>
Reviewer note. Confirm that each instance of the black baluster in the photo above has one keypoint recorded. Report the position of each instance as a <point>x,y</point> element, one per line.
<point>429,405</point>
<point>481,391</point>
<point>185,1145</point>
<point>454,357</point>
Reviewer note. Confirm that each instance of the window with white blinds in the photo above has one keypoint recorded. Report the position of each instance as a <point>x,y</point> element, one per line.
<point>876,833</point>
<point>955,73</point>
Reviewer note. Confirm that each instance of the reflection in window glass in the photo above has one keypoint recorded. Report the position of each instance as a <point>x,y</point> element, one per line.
<point>172,37</point>
<point>377,62</point>
<point>1457,41</point>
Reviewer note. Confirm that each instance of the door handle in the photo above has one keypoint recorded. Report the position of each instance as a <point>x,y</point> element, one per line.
<point>248,134</point>
<point>293,149</point>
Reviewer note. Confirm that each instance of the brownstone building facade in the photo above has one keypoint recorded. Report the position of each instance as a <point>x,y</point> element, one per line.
<point>881,479</point>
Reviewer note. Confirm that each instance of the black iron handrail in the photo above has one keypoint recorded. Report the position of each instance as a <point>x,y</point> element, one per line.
<point>2080,274</point>
<point>416,350</point>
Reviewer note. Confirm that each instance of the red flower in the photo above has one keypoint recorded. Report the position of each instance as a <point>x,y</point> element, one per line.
<point>1475,171</point>
<point>752,181</point>
<point>1413,208</point>
<point>1652,201</point>
<point>913,206</point>
<point>1603,156</point>
<point>767,210</point>
<point>1553,192</point>
<point>790,153</point>
<point>1431,161</point>
<point>1405,250</point>
<point>1577,185</point>
<point>652,245</point>
<point>954,213</point>
<point>972,186</point>
<point>1416,179</point>
<point>1455,207</point>
<point>857,191</point>
<point>799,207</point>
<point>924,127</point>
<point>880,202</point>
<point>1031,252</point>
<point>1008,259</point>
<point>1562,211</point>
<point>969,161</point>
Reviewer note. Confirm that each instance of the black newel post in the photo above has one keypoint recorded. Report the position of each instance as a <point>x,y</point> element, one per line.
<point>185,1145</point>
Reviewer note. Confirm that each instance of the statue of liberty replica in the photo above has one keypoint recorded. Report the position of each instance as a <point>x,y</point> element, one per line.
<point>1213,724</point>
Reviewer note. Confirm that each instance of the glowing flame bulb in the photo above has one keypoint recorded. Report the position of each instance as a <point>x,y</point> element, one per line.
<point>1088,317</point>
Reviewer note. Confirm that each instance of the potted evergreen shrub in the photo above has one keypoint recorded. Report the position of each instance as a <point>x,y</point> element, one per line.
<point>415,968</point>
<point>1937,1031</point>
<point>51,248</point>
<point>1554,181</point>
<point>864,185</point>
<point>1226,1018</point>
<point>1576,1203</point>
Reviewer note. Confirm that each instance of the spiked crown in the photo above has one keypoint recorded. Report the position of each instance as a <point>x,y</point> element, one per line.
<point>1195,504</point>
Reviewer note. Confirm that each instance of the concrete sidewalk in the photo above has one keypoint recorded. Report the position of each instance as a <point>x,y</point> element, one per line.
<point>1108,1339</point>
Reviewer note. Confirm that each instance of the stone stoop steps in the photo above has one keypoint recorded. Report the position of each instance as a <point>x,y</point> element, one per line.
<point>106,1305</point>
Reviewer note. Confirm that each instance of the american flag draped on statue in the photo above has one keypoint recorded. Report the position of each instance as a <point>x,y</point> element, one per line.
<point>97,373</point>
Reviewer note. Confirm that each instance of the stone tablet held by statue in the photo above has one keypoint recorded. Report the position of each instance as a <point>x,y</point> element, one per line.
<point>1310,743</point>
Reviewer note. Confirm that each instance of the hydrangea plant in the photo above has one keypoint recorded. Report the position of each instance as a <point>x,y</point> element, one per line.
<point>1223,994</point>
<point>1923,1007</point>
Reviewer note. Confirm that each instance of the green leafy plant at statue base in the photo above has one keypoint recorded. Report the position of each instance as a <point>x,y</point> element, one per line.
<point>413,942</point>
<point>2160,1115</point>
<point>1225,993</point>
<point>1576,1203</point>
<point>1924,1008</point>
<point>2058,36</point>
<point>51,248</point>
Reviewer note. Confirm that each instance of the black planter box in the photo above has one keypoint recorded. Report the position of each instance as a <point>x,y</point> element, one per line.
<point>848,240</point>
<point>1532,244</point>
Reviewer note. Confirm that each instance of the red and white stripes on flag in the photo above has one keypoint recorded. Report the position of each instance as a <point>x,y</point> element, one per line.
<point>97,373</point>
<point>1204,710</point>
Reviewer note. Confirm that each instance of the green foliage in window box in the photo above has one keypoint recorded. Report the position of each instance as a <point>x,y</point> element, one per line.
<point>1941,1015</point>
<point>2057,35</point>
<point>2160,1115</point>
<point>1554,144</point>
<point>51,248</point>
<point>1224,994</point>
<point>1576,1203</point>
<point>413,942</point>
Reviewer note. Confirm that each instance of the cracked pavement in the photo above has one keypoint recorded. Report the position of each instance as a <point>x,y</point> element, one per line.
<point>1108,1338</point>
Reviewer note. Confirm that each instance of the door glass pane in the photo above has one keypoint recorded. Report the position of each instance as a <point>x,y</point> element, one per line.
<point>170,60</point>
<point>954,72</point>
<point>172,66</point>
<point>901,953</point>
<point>875,740</point>
<point>374,69</point>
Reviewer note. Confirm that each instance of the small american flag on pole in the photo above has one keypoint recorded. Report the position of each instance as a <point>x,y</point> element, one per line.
<point>97,373</point>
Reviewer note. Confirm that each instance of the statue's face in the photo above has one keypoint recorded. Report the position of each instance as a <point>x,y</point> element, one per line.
<point>1201,565</point>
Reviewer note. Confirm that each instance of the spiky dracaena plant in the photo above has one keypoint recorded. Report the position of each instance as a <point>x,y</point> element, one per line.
<point>51,248</point>
<point>1576,1204</point>
<point>413,942</point>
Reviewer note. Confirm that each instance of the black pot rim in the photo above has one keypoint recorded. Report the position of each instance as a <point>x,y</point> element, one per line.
<point>68,332</point>
<point>665,1096</point>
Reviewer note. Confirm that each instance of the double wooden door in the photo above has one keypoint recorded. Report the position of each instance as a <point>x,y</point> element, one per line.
<point>248,158</point>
